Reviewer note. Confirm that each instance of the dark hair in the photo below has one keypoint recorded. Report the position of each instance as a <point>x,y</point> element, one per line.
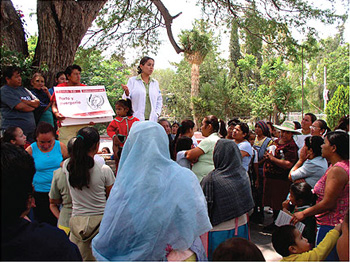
<point>59,74</point>
<point>17,171</point>
<point>315,143</point>
<point>303,191</point>
<point>218,125</point>
<point>183,143</point>
<point>70,69</point>
<point>107,148</point>
<point>323,125</point>
<point>143,61</point>
<point>341,140</point>
<point>184,127</point>
<point>237,249</point>
<point>245,129</point>
<point>8,71</point>
<point>80,162</point>
<point>313,117</point>
<point>343,123</point>
<point>9,134</point>
<point>283,238</point>
<point>264,127</point>
<point>126,103</point>
<point>297,125</point>
<point>175,123</point>
<point>271,125</point>
<point>233,122</point>
<point>164,120</point>
<point>70,145</point>
<point>44,128</point>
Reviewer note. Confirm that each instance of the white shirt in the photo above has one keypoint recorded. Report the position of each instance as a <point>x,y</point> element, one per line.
<point>300,140</point>
<point>137,96</point>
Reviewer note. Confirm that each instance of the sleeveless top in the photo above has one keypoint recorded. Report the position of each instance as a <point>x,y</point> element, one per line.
<point>333,217</point>
<point>45,164</point>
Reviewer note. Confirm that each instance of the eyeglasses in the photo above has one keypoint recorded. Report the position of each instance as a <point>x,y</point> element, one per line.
<point>314,127</point>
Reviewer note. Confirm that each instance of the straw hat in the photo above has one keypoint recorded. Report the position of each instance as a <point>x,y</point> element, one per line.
<point>288,126</point>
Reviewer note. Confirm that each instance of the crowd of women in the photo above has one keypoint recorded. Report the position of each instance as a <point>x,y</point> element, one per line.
<point>177,198</point>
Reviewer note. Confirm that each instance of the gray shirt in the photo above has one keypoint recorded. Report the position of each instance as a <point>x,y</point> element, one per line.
<point>10,98</point>
<point>312,170</point>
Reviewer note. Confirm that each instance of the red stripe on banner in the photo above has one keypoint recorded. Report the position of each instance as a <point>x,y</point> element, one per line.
<point>67,91</point>
<point>94,113</point>
<point>92,90</point>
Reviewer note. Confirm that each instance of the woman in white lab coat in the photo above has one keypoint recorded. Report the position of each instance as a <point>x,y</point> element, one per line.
<point>144,92</point>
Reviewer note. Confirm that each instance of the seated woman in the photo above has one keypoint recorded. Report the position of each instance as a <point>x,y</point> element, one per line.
<point>311,165</point>
<point>228,194</point>
<point>145,216</point>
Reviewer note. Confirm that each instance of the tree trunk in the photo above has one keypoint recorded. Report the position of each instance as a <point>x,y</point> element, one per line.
<point>12,32</point>
<point>62,25</point>
<point>194,91</point>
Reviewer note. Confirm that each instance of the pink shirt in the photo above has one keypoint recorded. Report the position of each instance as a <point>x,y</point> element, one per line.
<point>333,217</point>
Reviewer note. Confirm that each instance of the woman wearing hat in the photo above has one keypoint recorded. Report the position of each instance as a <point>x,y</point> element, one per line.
<point>262,142</point>
<point>276,169</point>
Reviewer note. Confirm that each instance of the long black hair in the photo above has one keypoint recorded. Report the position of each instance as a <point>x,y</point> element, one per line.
<point>80,162</point>
<point>315,143</point>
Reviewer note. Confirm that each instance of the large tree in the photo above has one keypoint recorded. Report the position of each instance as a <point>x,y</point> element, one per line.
<point>63,24</point>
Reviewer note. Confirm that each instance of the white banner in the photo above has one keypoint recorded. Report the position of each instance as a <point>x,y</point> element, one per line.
<point>83,104</point>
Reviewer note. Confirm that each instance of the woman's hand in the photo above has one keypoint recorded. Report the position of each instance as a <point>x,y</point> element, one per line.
<point>303,154</point>
<point>59,116</point>
<point>297,217</point>
<point>126,90</point>
<point>285,204</point>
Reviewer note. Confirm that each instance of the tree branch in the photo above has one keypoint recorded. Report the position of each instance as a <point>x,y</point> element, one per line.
<point>168,21</point>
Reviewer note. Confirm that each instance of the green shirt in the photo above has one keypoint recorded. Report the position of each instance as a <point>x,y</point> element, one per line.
<point>205,162</point>
<point>148,107</point>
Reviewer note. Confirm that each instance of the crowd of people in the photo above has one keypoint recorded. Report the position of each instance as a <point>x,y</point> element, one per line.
<point>172,197</point>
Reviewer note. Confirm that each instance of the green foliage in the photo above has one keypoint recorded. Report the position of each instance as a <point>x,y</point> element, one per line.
<point>97,70</point>
<point>338,106</point>
<point>12,58</point>
<point>197,40</point>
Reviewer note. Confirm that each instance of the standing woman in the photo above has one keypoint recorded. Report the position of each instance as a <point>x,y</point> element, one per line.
<point>277,167</point>
<point>144,92</point>
<point>332,189</point>
<point>44,111</point>
<point>240,135</point>
<point>262,142</point>
<point>90,183</point>
<point>48,154</point>
<point>202,155</point>
<point>228,194</point>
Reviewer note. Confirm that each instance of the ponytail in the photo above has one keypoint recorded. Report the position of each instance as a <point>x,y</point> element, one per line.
<point>80,162</point>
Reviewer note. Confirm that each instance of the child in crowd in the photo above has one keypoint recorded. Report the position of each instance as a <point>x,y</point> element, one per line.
<point>15,136</point>
<point>300,198</point>
<point>289,243</point>
<point>183,144</point>
<point>119,128</point>
<point>237,249</point>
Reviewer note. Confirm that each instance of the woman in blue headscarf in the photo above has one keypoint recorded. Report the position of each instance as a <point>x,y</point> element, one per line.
<point>155,205</point>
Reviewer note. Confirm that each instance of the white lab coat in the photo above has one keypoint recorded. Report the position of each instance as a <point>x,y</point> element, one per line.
<point>138,98</point>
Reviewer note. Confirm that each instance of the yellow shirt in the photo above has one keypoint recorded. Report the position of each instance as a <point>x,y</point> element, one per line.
<point>320,252</point>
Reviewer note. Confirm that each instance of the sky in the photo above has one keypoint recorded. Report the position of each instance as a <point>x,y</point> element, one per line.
<point>190,12</point>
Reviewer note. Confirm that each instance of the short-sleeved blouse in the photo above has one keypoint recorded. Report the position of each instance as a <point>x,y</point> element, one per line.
<point>333,217</point>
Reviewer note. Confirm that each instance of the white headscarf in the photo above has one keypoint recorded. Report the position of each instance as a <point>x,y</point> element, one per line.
<point>154,202</point>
